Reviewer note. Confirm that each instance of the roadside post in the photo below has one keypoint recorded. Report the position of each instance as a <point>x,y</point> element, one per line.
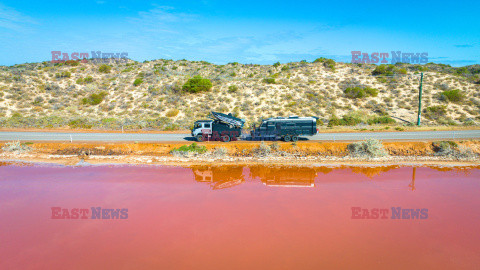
<point>420,101</point>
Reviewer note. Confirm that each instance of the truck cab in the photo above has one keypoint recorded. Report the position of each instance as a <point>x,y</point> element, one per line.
<point>201,127</point>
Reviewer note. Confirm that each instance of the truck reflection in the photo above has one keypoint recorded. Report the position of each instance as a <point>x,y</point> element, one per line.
<point>219,177</point>
<point>275,176</point>
<point>284,176</point>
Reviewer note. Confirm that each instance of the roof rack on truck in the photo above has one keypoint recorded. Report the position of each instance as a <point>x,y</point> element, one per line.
<point>228,118</point>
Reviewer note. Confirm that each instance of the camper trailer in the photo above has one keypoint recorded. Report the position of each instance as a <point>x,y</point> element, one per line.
<point>285,128</point>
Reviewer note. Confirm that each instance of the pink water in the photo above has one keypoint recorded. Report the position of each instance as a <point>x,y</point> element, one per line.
<point>252,217</point>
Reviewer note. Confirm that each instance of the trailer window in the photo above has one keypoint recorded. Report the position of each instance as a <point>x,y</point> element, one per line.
<point>271,126</point>
<point>206,125</point>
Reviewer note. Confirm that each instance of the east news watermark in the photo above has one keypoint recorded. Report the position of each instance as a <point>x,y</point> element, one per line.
<point>359,57</point>
<point>95,56</point>
<point>389,213</point>
<point>89,213</point>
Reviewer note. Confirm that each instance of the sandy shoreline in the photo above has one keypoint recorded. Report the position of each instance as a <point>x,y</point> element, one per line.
<point>70,160</point>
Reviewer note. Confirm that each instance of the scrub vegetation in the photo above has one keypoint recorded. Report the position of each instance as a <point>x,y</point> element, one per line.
<point>167,95</point>
<point>367,149</point>
<point>185,150</point>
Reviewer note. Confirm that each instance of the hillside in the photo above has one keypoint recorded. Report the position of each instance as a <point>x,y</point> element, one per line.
<point>149,95</point>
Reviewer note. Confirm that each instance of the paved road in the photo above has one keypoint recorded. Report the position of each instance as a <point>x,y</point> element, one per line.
<point>116,137</point>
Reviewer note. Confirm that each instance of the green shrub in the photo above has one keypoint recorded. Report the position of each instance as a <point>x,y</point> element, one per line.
<point>262,150</point>
<point>371,91</point>
<point>72,63</point>
<point>137,82</point>
<point>387,70</point>
<point>38,100</point>
<point>197,84</point>
<point>232,89</point>
<point>334,121</point>
<point>16,146</point>
<point>277,64</point>
<point>358,92</point>
<point>94,99</point>
<point>104,68</point>
<point>453,150</point>
<point>354,118</point>
<point>346,120</point>
<point>452,95</point>
<point>461,71</point>
<point>64,74</point>
<point>172,113</point>
<point>80,123</point>
<point>328,63</point>
<point>269,80</point>
<point>370,148</point>
<point>220,152</point>
<point>194,147</point>
<point>88,79</point>
<point>435,112</point>
<point>381,120</point>
<point>444,148</point>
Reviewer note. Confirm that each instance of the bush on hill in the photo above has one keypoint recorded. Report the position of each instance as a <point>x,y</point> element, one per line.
<point>197,84</point>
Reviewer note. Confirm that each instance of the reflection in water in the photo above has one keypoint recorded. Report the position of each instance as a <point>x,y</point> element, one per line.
<point>412,184</point>
<point>15,163</point>
<point>220,177</point>
<point>373,170</point>
<point>284,176</point>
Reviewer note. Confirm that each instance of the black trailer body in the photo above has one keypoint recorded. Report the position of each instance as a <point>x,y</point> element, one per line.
<point>285,128</point>
<point>223,129</point>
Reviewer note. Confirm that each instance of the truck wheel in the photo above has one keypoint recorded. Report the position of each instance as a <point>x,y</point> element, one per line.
<point>225,138</point>
<point>294,138</point>
<point>286,138</point>
<point>200,138</point>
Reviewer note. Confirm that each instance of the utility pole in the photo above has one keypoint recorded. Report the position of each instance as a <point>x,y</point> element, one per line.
<point>420,101</point>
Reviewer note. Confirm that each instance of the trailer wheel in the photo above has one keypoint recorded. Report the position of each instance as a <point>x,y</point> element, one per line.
<point>286,138</point>
<point>225,138</point>
<point>200,138</point>
<point>294,138</point>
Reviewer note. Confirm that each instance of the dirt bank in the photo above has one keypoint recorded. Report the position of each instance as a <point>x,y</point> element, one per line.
<point>234,152</point>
